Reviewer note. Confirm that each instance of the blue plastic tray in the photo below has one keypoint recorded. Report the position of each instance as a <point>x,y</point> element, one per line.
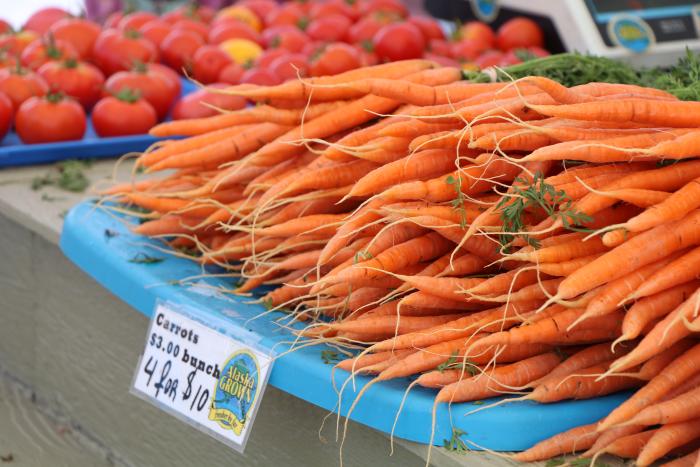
<point>302,373</point>
<point>15,153</point>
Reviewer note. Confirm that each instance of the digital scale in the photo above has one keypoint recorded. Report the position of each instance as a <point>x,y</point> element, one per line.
<point>643,32</point>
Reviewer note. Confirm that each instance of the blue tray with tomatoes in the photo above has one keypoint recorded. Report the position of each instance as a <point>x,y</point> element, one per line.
<point>15,153</point>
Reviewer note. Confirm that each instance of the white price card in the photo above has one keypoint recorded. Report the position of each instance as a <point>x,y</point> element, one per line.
<point>209,380</point>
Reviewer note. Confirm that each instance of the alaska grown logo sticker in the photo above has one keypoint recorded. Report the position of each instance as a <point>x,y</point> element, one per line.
<point>236,391</point>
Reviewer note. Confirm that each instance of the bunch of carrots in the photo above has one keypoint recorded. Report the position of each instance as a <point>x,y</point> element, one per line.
<point>488,238</point>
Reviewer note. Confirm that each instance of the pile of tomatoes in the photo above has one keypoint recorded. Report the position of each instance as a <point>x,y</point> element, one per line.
<point>125,73</point>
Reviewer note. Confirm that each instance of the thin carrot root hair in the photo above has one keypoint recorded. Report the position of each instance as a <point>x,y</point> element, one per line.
<point>398,413</point>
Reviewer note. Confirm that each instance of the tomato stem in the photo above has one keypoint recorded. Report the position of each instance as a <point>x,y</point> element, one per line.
<point>128,95</point>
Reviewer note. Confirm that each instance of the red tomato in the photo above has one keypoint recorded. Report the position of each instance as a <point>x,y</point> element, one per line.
<point>174,83</point>
<point>80,33</point>
<point>478,32</point>
<point>290,66</point>
<point>489,58</point>
<point>538,52</point>
<point>334,59</point>
<point>364,30</point>
<point>49,119</point>
<point>190,11</point>
<point>333,7</point>
<point>5,27</point>
<point>440,47</point>
<point>81,81</point>
<point>195,26</point>
<point>5,115</point>
<point>395,7</point>
<point>261,8</point>
<point>231,74</point>
<point>209,60</point>
<point>399,41</point>
<point>329,28</point>
<point>45,50</point>
<point>112,20</point>
<point>511,58</point>
<point>368,58</point>
<point>7,60</point>
<point>232,29</point>
<point>135,20</point>
<point>289,38</point>
<point>519,32</point>
<point>289,14</point>
<point>191,106</point>
<point>15,43</point>
<point>269,56</point>
<point>466,50</point>
<point>41,21</point>
<point>260,76</point>
<point>21,84</point>
<point>441,59</point>
<point>118,50</point>
<point>179,47</point>
<point>151,86</point>
<point>428,27</point>
<point>123,114</point>
<point>155,31</point>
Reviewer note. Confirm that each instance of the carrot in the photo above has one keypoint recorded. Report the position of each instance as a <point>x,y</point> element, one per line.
<point>347,144</point>
<point>629,446</point>
<point>562,252</point>
<point>666,439</point>
<point>298,89</point>
<point>498,380</point>
<point>170,224</point>
<point>421,165</point>
<point>568,442</point>
<point>686,461</point>
<point>426,300</point>
<point>226,150</point>
<point>230,120</point>
<point>507,354</point>
<point>394,258</point>
<point>413,129</point>
<point>508,140</point>
<point>678,271</point>
<point>362,361</point>
<point>566,268</point>
<point>608,299</point>
<point>459,328</point>
<point>335,176</point>
<point>474,179</point>
<point>679,409</point>
<point>553,330</point>
<point>514,279</point>
<point>581,385</point>
<point>609,436</point>
<point>616,149</point>
<point>444,287</point>
<point>680,369</point>
<point>342,237</point>
<point>674,207</point>
<point>643,249</point>
<point>540,290</point>
<point>657,112</point>
<point>148,159</point>
<point>391,324</point>
<point>585,358</point>
<point>664,334</point>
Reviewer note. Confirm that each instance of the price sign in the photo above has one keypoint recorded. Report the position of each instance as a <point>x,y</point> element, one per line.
<point>205,378</point>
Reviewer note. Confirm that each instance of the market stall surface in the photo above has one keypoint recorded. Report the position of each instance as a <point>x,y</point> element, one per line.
<point>78,346</point>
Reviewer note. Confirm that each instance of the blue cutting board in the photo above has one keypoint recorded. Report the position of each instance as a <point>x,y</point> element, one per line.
<point>15,153</point>
<point>302,373</point>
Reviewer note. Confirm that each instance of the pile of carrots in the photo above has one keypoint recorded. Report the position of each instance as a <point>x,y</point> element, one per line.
<point>487,238</point>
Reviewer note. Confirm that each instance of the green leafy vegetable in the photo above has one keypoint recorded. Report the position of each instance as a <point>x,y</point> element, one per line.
<point>455,443</point>
<point>330,356</point>
<point>456,362</point>
<point>68,175</point>
<point>143,258</point>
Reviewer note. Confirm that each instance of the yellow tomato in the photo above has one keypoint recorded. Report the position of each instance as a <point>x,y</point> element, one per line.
<point>242,14</point>
<point>241,51</point>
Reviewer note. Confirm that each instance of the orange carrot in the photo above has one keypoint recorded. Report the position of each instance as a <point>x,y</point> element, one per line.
<point>568,442</point>
<point>666,439</point>
<point>499,380</point>
<point>683,367</point>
